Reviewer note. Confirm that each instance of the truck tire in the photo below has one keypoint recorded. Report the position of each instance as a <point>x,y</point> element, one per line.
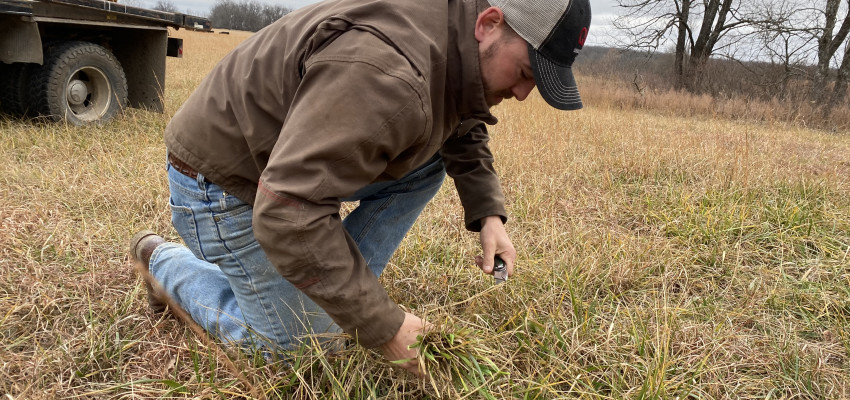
<point>80,82</point>
<point>14,88</point>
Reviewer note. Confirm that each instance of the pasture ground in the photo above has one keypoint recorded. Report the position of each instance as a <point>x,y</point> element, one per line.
<point>660,256</point>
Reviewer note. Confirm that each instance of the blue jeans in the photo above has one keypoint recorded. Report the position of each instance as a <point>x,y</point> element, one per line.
<point>224,280</point>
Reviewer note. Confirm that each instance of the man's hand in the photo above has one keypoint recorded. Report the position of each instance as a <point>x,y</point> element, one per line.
<point>398,348</point>
<point>494,240</point>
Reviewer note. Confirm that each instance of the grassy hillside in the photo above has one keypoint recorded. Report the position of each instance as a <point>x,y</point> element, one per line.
<point>747,91</point>
<point>661,255</point>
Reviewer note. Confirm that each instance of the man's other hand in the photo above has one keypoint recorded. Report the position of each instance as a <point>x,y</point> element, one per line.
<point>398,348</point>
<point>494,240</point>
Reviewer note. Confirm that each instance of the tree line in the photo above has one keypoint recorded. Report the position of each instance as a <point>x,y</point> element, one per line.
<point>242,15</point>
<point>245,15</point>
<point>807,40</point>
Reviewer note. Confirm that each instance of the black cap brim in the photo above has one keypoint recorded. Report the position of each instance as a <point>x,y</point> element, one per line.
<point>556,83</point>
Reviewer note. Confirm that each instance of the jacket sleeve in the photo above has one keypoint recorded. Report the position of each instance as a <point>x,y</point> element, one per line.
<point>469,162</point>
<point>350,116</point>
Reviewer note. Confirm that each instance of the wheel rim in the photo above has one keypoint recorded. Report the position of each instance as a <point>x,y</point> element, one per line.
<point>88,94</point>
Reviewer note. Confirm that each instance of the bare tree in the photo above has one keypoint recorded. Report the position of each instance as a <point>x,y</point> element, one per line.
<point>839,92</point>
<point>245,15</point>
<point>165,5</point>
<point>828,44</point>
<point>784,38</point>
<point>813,32</point>
<point>682,14</point>
<point>700,27</point>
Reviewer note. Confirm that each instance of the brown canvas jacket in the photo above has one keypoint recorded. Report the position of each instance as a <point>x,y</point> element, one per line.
<point>329,99</point>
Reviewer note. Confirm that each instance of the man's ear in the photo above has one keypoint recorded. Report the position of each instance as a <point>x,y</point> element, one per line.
<point>489,23</point>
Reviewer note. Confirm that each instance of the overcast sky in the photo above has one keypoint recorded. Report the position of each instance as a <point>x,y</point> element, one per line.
<point>603,12</point>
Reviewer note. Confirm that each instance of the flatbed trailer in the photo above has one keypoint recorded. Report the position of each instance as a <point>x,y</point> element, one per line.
<point>83,61</point>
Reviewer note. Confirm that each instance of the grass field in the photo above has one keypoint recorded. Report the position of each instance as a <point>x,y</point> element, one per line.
<point>660,256</point>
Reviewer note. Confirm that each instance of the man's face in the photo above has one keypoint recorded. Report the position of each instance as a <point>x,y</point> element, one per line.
<point>505,67</point>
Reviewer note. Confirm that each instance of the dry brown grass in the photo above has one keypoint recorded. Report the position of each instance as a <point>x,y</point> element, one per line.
<point>617,94</point>
<point>662,255</point>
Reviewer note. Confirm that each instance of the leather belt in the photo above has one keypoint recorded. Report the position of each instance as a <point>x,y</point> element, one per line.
<point>183,168</point>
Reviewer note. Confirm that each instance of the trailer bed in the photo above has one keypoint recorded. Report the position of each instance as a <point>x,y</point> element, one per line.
<point>101,11</point>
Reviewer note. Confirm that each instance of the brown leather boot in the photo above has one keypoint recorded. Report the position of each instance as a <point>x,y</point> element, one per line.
<point>142,246</point>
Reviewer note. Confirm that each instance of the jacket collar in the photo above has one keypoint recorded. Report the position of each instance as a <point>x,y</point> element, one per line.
<point>466,87</point>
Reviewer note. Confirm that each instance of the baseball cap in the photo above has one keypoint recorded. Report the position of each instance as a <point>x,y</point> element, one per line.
<point>555,31</point>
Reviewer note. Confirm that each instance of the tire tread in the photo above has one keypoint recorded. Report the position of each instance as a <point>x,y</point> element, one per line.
<point>14,79</point>
<point>59,58</point>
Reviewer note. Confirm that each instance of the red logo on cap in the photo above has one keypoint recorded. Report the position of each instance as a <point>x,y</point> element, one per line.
<point>582,36</point>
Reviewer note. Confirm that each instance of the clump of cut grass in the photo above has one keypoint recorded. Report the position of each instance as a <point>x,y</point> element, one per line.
<point>458,358</point>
